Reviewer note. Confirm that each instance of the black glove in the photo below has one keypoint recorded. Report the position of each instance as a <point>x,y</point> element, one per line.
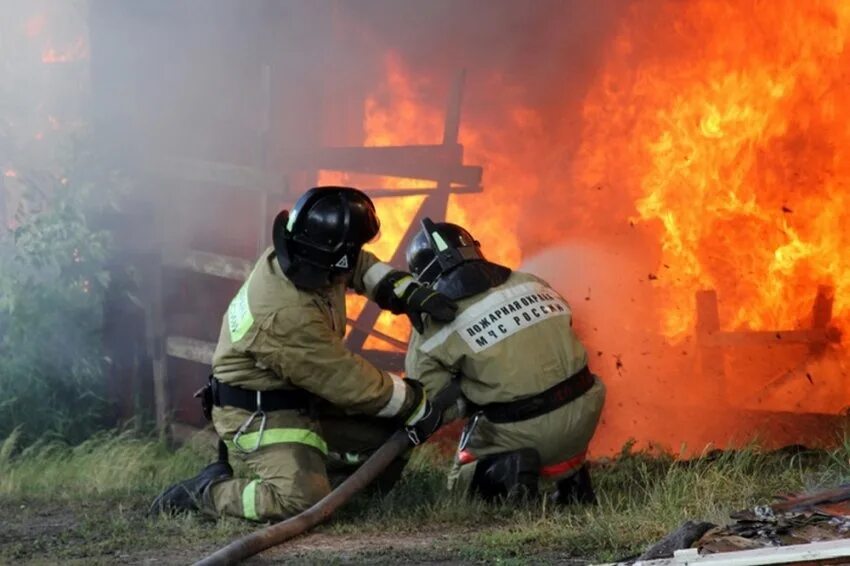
<point>422,420</point>
<point>399,293</point>
<point>421,300</point>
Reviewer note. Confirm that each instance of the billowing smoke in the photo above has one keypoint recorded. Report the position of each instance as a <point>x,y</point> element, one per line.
<point>205,105</point>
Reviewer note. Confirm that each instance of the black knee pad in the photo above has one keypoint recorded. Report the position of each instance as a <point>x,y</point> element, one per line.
<point>512,474</point>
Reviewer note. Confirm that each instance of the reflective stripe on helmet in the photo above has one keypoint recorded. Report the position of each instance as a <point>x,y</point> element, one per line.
<point>248,440</point>
<point>249,500</point>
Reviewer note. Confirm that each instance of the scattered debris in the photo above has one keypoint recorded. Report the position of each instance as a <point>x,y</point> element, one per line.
<point>683,537</point>
<point>794,521</point>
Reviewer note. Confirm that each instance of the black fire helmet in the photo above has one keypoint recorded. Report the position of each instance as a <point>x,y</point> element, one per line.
<point>322,237</point>
<point>447,258</point>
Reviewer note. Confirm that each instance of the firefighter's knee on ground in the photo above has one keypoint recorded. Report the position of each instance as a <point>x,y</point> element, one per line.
<point>275,499</point>
<point>513,475</point>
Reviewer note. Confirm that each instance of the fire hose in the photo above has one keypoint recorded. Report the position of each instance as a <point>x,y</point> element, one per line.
<point>274,535</point>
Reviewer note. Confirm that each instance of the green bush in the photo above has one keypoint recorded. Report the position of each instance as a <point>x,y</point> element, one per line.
<point>53,279</point>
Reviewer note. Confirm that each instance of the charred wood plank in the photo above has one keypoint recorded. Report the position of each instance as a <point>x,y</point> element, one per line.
<point>683,537</point>
<point>190,349</point>
<point>408,192</point>
<point>218,265</point>
<point>769,337</point>
<point>214,173</point>
<point>429,162</point>
<point>379,335</point>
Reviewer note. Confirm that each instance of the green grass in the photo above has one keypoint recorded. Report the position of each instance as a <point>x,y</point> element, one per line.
<point>87,504</point>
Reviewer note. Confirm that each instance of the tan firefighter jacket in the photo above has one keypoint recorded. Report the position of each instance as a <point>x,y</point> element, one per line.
<point>510,342</point>
<point>276,336</point>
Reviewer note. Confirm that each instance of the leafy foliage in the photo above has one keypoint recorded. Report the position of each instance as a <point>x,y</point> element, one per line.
<point>53,280</point>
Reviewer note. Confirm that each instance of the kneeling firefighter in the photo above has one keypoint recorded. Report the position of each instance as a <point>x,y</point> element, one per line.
<point>532,401</point>
<point>284,386</point>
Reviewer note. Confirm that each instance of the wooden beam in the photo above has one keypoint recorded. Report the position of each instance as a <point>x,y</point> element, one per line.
<point>708,315</point>
<point>769,337</point>
<point>711,360</point>
<point>393,193</point>
<point>190,349</point>
<point>379,335</point>
<point>429,162</point>
<point>226,267</point>
<point>821,315</point>
<point>213,173</point>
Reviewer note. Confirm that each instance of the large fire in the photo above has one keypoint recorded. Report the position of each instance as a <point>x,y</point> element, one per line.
<point>723,125</point>
<point>395,114</point>
<point>714,129</point>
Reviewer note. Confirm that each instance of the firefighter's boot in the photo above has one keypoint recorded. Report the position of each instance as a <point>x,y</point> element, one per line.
<point>576,489</point>
<point>508,475</point>
<point>189,494</point>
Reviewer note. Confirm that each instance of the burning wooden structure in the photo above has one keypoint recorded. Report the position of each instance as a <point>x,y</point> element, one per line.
<point>442,164</point>
<point>258,129</point>
<point>714,343</point>
<point>716,159</point>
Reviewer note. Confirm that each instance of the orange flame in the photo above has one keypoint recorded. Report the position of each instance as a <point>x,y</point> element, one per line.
<point>725,129</point>
<point>396,114</point>
<point>35,25</point>
<point>76,51</point>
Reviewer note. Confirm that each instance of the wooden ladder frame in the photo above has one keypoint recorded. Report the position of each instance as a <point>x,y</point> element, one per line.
<point>441,163</point>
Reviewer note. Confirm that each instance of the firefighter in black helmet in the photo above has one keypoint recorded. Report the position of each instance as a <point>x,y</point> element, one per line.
<point>532,402</point>
<point>283,383</point>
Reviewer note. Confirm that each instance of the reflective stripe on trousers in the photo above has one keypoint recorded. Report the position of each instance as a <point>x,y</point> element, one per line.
<point>249,500</point>
<point>280,435</point>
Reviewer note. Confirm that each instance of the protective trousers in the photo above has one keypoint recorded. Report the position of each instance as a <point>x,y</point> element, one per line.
<point>294,462</point>
<point>560,436</point>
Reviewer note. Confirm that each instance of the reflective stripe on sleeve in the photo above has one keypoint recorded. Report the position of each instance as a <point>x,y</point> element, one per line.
<point>401,285</point>
<point>249,500</point>
<point>281,435</point>
<point>418,413</point>
<point>397,398</point>
<point>374,275</point>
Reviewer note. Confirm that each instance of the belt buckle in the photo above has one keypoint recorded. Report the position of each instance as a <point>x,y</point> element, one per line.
<point>466,435</point>
<point>244,427</point>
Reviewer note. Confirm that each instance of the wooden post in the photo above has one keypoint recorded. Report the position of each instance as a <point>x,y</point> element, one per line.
<point>434,206</point>
<point>821,315</point>
<point>711,358</point>
<point>4,215</point>
<point>263,132</point>
<point>156,336</point>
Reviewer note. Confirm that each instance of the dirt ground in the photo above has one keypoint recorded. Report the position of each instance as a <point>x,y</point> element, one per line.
<point>101,532</point>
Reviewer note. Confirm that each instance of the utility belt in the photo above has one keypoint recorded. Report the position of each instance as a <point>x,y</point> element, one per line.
<point>545,402</point>
<point>218,394</point>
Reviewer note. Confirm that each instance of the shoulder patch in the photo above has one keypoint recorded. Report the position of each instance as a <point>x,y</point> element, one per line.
<point>239,317</point>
